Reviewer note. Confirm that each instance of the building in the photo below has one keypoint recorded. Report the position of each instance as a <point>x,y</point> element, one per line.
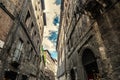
<point>21,33</point>
<point>50,66</point>
<point>61,53</point>
<point>88,41</point>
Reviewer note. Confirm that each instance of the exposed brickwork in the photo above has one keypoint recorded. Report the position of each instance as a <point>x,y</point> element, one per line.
<point>13,6</point>
<point>5,24</point>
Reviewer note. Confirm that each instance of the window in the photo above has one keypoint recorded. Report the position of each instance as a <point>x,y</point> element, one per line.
<point>69,45</point>
<point>30,53</point>
<point>35,7</point>
<point>40,27</point>
<point>37,41</point>
<point>27,19</point>
<point>108,3</point>
<point>35,33</point>
<point>31,32</point>
<point>32,25</point>
<point>95,8</point>
<point>38,2</point>
<point>18,51</point>
<point>37,16</point>
<point>39,9</point>
<point>28,16</point>
<point>35,60</point>
<point>42,4</point>
<point>28,48</point>
<point>24,77</point>
<point>44,19</point>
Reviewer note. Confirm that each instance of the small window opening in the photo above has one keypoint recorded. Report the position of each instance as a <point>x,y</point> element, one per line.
<point>28,16</point>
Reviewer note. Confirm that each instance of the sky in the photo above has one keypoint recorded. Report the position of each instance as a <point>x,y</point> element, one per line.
<point>52,10</point>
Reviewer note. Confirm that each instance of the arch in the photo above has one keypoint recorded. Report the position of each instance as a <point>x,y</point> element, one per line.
<point>89,63</point>
<point>88,56</point>
<point>95,52</point>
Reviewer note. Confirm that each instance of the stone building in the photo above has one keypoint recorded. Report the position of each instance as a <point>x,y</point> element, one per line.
<point>21,33</point>
<point>61,53</point>
<point>42,75</point>
<point>50,66</point>
<point>89,43</point>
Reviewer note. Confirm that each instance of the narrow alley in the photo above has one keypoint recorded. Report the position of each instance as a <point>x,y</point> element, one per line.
<point>59,39</point>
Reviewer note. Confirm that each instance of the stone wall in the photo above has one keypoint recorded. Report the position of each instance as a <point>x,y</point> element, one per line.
<point>50,66</point>
<point>90,25</point>
<point>19,27</point>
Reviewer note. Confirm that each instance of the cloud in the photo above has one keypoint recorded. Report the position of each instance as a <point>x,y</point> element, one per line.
<point>51,30</point>
<point>49,39</point>
<point>53,36</point>
<point>56,21</point>
<point>47,44</point>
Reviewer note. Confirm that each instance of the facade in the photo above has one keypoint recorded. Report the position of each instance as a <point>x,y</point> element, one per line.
<point>50,66</point>
<point>88,41</point>
<point>42,75</point>
<point>61,54</point>
<point>21,33</point>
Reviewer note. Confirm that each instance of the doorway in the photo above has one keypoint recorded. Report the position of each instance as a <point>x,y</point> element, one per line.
<point>10,75</point>
<point>90,65</point>
<point>72,74</point>
<point>24,77</point>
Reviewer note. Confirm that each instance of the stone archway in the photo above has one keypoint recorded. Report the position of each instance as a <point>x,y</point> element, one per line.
<point>90,65</point>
